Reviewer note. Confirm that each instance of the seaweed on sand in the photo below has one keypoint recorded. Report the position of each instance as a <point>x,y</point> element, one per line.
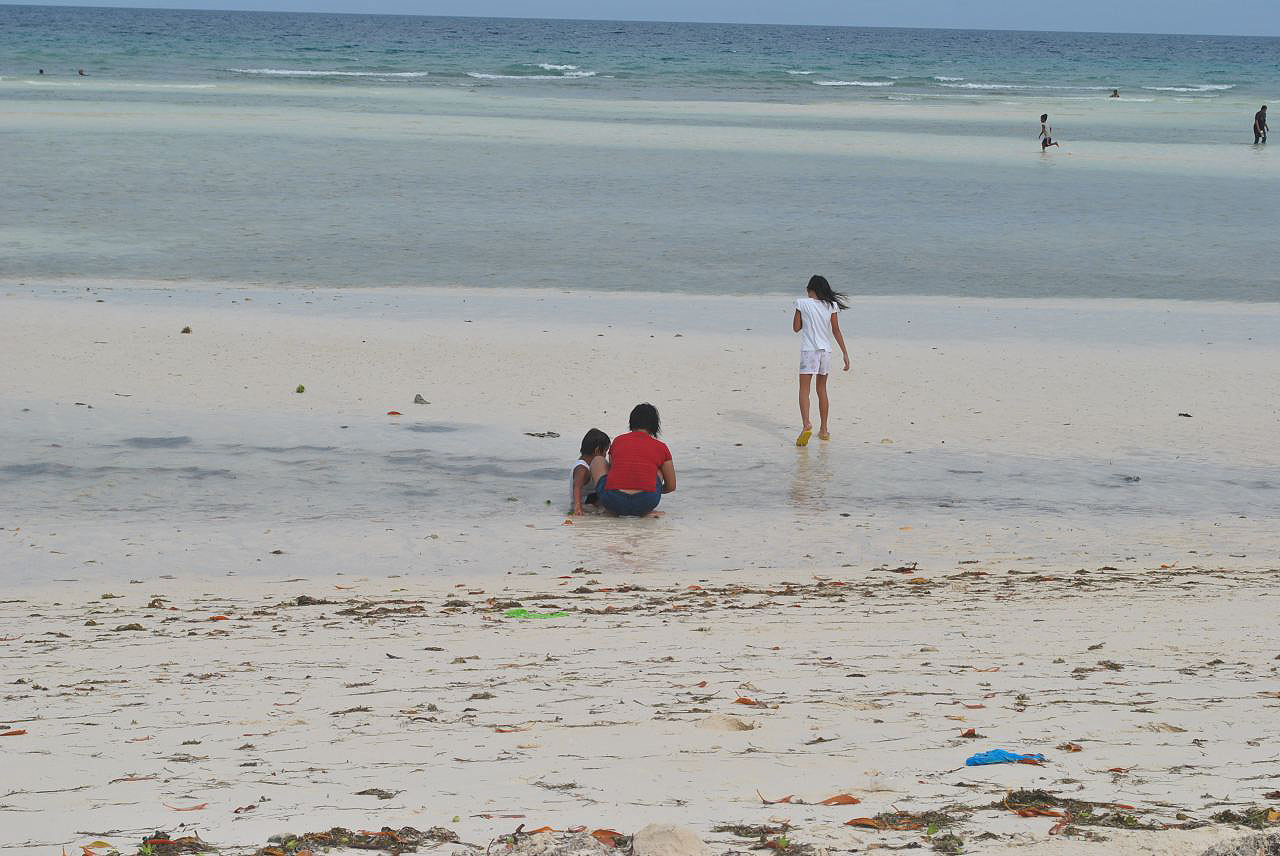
<point>1254,817</point>
<point>160,844</point>
<point>1071,813</point>
<point>387,840</point>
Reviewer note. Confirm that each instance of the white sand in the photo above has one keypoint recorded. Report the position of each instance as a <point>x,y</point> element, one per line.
<point>1057,401</point>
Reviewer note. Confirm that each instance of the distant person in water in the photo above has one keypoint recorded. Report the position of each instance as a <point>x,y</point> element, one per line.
<point>1260,126</point>
<point>639,470</point>
<point>1115,93</point>
<point>1046,133</point>
<point>817,321</point>
<point>42,71</point>
<point>80,71</point>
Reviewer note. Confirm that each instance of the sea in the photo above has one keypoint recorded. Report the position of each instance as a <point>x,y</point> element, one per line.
<point>351,151</point>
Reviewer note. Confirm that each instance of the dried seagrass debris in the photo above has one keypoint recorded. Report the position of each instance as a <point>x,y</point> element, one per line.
<point>387,840</point>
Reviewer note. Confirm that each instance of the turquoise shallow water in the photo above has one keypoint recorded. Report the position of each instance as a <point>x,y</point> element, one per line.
<point>372,150</point>
<point>626,58</point>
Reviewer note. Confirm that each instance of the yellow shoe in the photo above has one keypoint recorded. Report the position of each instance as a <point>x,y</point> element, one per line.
<point>803,439</point>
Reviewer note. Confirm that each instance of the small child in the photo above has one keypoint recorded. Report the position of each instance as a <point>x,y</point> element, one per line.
<point>582,491</point>
<point>1046,133</point>
<point>818,325</point>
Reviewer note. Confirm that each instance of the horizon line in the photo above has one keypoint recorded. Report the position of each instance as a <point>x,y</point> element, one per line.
<point>161,8</point>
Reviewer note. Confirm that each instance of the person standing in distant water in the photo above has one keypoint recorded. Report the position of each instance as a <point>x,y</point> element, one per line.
<point>816,320</point>
<point>42,71</point>
<point>1260,126</point>
<point>1046,133</point>
<point>1115,93</point>
<point>80,71</point>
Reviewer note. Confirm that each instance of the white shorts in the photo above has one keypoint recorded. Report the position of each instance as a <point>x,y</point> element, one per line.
<point>815,362</point>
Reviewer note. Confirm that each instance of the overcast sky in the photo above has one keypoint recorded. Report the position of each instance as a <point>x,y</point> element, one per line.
<point>1235,17</point>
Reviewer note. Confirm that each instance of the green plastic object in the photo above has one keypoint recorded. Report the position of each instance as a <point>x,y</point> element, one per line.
<point>524,613</point>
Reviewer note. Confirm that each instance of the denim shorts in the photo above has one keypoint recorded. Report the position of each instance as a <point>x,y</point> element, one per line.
<point>627,504</point>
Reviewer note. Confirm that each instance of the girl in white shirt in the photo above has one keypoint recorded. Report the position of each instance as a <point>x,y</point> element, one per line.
<point>817,322</point>
<point>582,488</point>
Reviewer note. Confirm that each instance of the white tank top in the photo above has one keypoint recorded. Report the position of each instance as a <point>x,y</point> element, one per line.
<point>587,488</point>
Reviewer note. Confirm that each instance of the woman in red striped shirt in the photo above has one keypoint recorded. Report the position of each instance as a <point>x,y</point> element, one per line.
<point>639,470</point>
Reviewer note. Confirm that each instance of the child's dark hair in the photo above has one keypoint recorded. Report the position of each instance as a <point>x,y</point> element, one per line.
<point>645,417</point>
<point>594,441</point>
<point>1044,117</point>
<point>822,290</point>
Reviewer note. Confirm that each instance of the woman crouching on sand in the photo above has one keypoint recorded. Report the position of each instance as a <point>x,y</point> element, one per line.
<point>639,470</point>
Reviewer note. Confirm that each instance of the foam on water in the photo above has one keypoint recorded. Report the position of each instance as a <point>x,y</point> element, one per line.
<point>1205,87</point>
<point>310,72</point>
<point>568,75</point>
<point>852,83</point>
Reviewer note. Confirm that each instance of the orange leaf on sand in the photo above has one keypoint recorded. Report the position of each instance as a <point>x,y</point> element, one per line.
<point>974,706</point>
<point>867,822</point>
<point>701,684</point>
<point>970,732</point>
<point>1070,747</point>
<point>1120,770</point>
<point>1032,761</point>
<point>17,732</point>
<point>219,618</point>
<point>394,413</point>
<point>200,807</point>
<point>841,799</point>
<point>745,700</point>
<point>787,799</point>
<point>607,837</point>
<point>536,831</point>
<point>1038,812</point>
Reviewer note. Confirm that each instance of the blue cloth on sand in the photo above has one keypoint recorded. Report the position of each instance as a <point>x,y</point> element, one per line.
<point>999,756</point>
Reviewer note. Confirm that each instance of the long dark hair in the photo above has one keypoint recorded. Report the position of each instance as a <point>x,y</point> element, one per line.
<point>819,286</point>
<point>594,441</point>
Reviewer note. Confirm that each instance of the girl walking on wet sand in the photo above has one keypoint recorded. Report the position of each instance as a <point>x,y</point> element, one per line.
<point>818,323</point>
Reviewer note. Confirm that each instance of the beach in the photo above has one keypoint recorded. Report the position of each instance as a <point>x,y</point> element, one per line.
<point>951,559</point>
<point>305,318</point>
<point>235,710</point>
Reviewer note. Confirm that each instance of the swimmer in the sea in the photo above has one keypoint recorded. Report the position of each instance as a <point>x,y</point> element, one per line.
<point>1260,126</point>
<point>1115,93</point>
<point>1046,133</point>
